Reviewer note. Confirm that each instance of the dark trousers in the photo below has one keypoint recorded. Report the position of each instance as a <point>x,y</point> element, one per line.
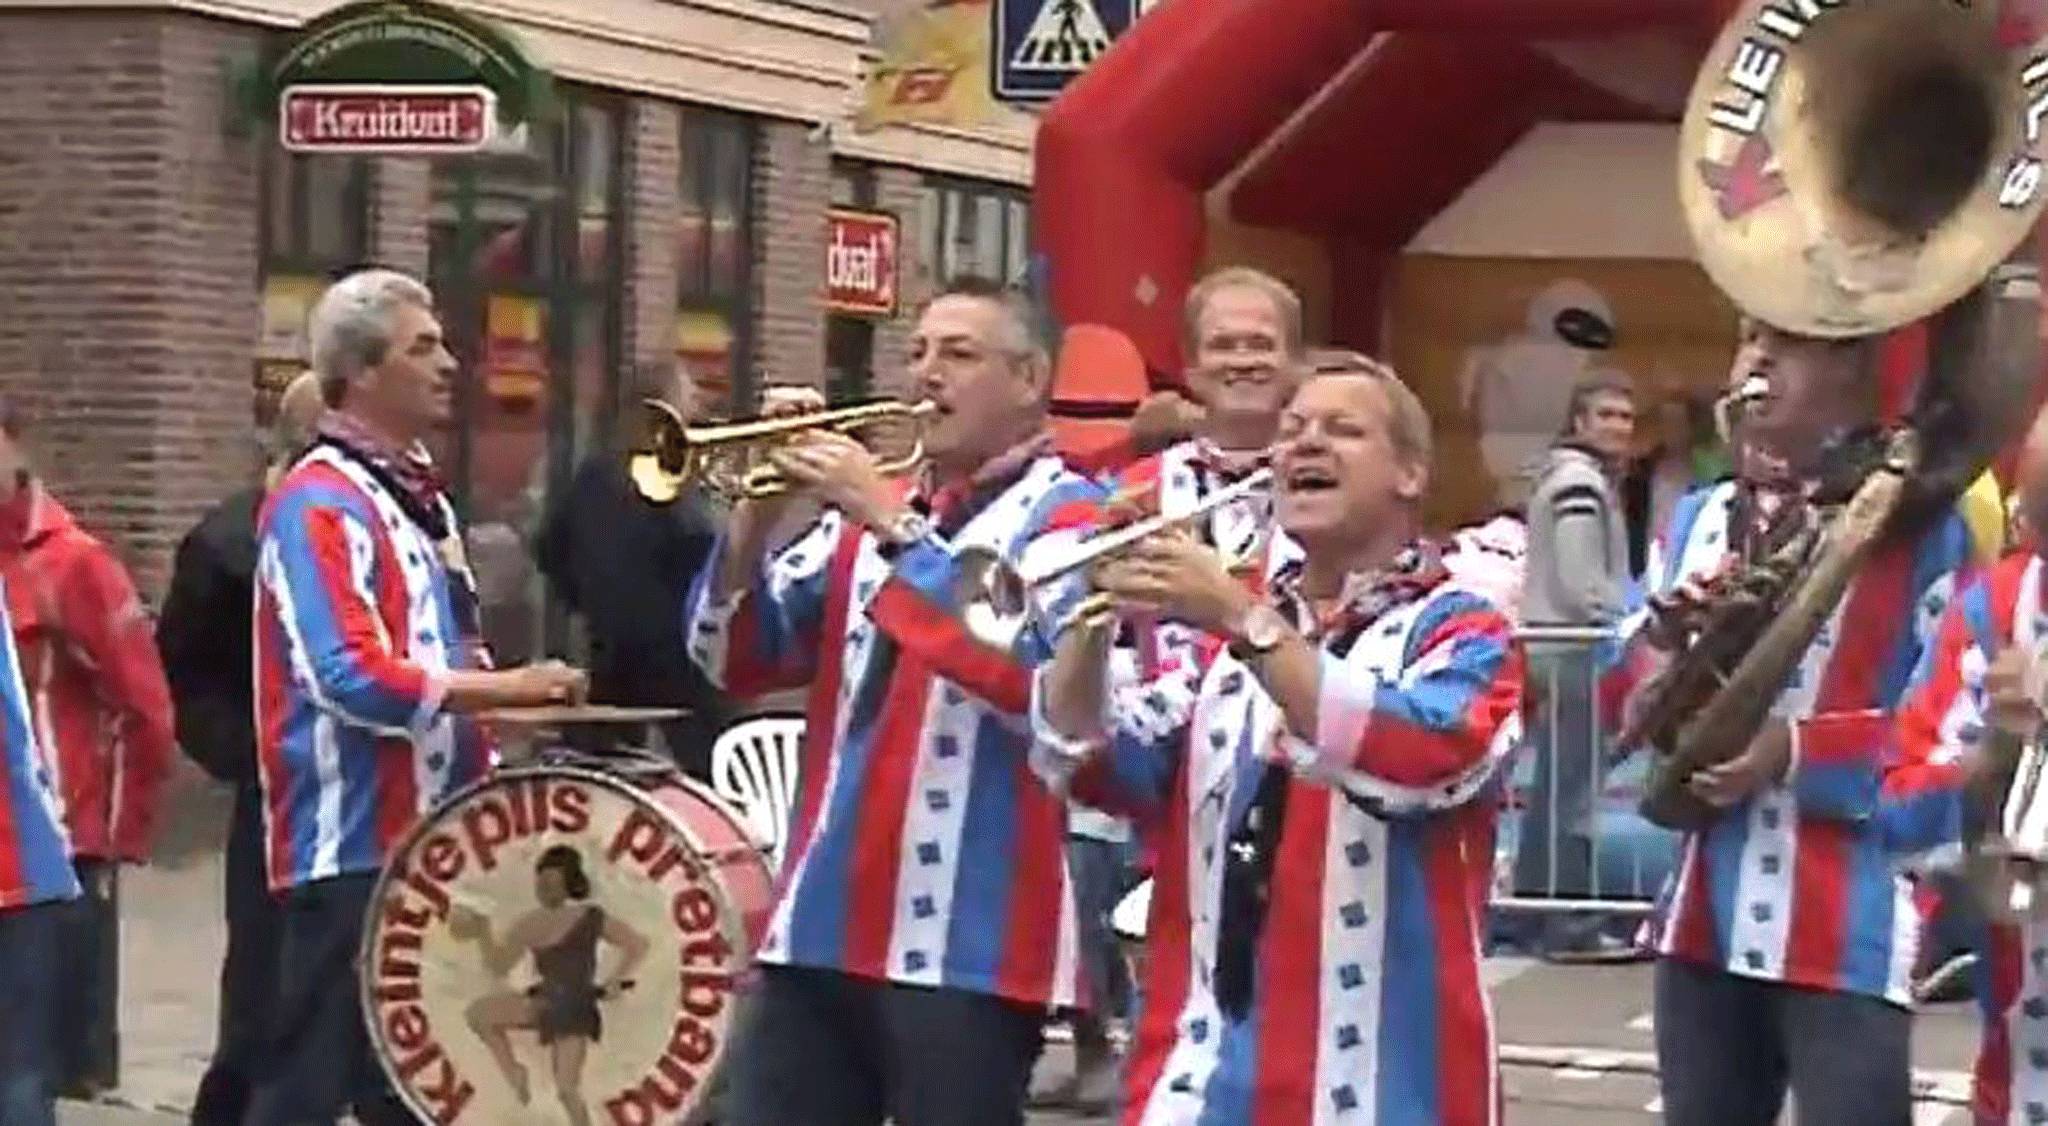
<point>821,1048</point>
<point>248,974</point>
<point>89,1024</point>
<point>1728,1047</point>
<point>31,949</point>
<point>317,1058</point>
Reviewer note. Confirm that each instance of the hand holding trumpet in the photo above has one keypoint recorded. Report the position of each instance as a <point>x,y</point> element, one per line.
<point>833,467</point>
<point>1173,575</point>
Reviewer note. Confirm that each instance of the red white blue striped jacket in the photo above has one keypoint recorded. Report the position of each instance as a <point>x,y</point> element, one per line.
<point>922,849</point>
<point>1805,883</point>
<point>355,631</point>
<point>1368,1004</point>
<point>1943,718</point>
<point>35,851</point>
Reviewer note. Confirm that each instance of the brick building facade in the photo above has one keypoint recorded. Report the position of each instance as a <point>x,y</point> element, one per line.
<point>142,268</point>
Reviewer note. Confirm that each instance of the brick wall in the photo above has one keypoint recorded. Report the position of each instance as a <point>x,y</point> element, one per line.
<point>900,191</point>
<point>128,267</point>
<point>401,190</point>
<point>792,187</point>
<point>654,208</point>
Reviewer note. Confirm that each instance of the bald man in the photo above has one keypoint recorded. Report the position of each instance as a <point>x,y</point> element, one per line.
<point>204,638</point>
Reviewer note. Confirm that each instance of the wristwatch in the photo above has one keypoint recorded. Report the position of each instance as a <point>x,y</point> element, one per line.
<point>907,528</point>
<point>1256,633</point>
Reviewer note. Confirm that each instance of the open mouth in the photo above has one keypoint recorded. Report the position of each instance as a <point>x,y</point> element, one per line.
<point>1311,479</point>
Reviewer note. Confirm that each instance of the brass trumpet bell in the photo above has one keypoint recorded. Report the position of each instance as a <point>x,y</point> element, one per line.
<point>731,458</point>
<point>1848,168</point>
<point>996,597</point>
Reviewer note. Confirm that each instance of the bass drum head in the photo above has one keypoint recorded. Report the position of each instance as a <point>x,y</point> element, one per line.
<point>496,928</point>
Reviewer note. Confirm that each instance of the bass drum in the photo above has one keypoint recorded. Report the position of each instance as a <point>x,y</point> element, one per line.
<point>562,945</point>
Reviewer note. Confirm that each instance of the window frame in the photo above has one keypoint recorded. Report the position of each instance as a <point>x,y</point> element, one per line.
<point>695,143</point>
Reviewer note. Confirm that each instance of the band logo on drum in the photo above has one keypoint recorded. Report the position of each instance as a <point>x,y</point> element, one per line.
<point>551,947</point>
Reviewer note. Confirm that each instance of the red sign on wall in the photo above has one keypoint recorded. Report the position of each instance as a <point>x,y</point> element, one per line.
<point>860,262</point>
<point>386,119</point>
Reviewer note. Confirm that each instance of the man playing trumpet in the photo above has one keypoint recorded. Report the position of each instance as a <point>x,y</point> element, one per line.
<point>924,923</point>
<point>1349,734</point>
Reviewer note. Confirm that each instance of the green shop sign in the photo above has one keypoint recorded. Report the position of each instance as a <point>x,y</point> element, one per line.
<point>395,76</point>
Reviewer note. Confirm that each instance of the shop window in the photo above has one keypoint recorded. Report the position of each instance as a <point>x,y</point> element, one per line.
<point>975,228</point>
<point>715,255</point>
<point>524,254</point>
<point>315,225</point>
<point>850,340</point>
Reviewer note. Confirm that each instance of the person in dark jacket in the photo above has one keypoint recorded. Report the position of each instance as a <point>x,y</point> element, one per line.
<point>204,636</point>
<point>624,563</point>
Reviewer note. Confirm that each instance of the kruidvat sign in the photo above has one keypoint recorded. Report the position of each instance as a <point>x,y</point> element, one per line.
<point>860,262</point>
<point>387,119</point>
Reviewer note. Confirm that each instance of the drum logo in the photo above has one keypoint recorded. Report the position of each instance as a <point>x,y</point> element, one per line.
<point>550,947</point>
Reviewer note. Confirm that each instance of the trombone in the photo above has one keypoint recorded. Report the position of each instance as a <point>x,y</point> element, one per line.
<point>996,598</point>
<point>731,458</point>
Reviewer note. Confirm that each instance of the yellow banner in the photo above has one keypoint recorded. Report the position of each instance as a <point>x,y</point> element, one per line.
<point>933,69</point>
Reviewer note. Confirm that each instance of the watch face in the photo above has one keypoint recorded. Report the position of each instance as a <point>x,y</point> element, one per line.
<point>1262,627</point>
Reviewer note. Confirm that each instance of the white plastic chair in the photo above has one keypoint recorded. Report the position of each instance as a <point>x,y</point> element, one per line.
<point>753,766</point>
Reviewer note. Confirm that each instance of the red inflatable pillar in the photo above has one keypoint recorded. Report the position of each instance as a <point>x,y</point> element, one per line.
<point>1126,154</point>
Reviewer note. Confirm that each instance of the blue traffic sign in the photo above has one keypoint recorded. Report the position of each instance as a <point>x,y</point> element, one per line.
<point>1041,45</point>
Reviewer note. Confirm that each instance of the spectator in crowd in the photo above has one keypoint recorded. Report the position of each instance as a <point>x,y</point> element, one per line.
<point>1577,576</point>
<point>98,698</point>
<point>203,634</point>
<point>1687,453</point>
<point>624,563</point>
<point>37,886</point>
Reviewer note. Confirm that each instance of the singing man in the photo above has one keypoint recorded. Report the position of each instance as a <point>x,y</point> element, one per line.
<point>1325,800</point>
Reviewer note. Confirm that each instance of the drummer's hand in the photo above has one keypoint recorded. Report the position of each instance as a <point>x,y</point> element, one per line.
<point>552,682</point>
<point>842,474</point>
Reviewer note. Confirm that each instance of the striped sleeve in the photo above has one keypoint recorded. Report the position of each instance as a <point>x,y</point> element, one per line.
<point>1126,766</point>
<point>1433,738</point>
<point>316,563</point>
<point>919,607</point>
<point>1919,801</point>
<point>766,636</point>
<point>1850,765</point>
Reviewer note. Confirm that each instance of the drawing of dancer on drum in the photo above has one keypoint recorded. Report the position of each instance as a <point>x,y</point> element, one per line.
<point>562,934</point>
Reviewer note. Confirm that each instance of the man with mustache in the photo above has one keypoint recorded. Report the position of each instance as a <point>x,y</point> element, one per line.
<point>924,923</point>
<point>1325,803</point>
<point>1786,935</point>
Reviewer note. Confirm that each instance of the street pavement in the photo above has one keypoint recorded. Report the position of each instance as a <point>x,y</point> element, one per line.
<point>1575,1040</point>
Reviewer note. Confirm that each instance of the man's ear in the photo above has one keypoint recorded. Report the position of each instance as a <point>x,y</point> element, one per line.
<point>1037,377</point>
<point>1410,481</point>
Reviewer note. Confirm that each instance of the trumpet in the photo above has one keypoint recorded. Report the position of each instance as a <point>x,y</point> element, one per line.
<point>731,458</point>
<point>997,598</point>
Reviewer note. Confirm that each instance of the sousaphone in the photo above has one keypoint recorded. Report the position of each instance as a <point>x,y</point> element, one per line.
<point>1847,167</point>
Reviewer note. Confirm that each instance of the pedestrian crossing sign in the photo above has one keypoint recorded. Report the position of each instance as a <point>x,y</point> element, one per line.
<point>1040,45</point>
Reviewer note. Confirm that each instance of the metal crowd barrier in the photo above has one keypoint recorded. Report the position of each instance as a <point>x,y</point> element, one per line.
<point>1571,839</point>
